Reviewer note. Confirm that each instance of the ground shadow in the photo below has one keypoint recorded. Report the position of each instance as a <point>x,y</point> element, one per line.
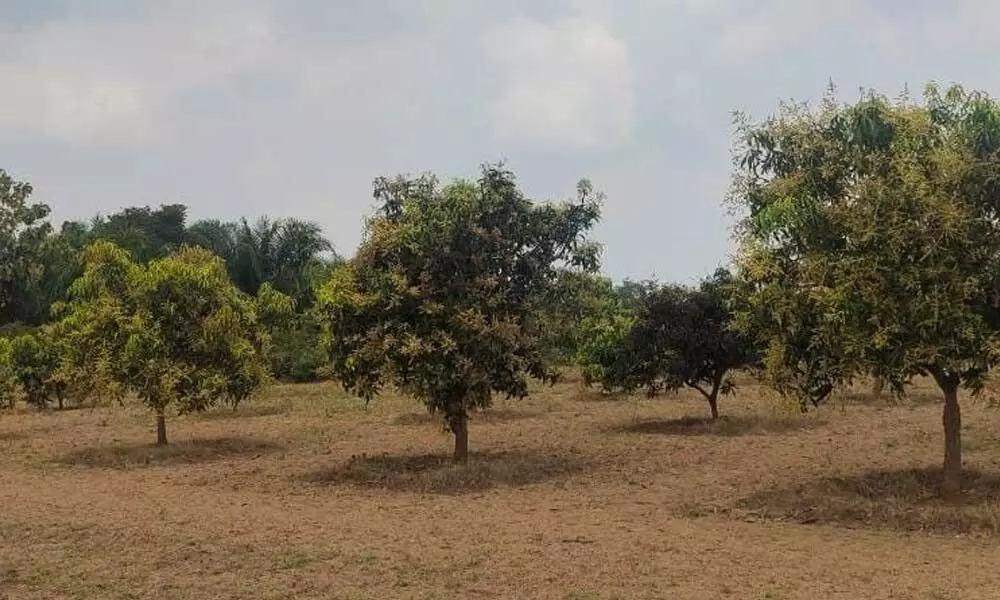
<point>589,394</point>
<point>725,426</point>
<point>905,500</point>
<point>438,474</point>
<point>181,452</point>
<point>887,399</point>
<point>492,415</point>
<point>11,436</point>
<point>222,413</point>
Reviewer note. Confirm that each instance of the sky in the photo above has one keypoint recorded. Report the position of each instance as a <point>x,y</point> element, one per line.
<point>292,107</point>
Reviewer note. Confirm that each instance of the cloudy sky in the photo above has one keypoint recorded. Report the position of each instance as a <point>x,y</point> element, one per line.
<point>292,107</point>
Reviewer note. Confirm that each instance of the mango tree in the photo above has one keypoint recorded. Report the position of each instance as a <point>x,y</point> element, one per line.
<point>34,360</point>
<point>883,214</point>
<point>175,332</point>
<point>447,297</point>
<point>678,337</point>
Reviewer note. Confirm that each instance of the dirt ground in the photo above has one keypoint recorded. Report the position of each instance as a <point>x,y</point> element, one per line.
<point>569,495</point>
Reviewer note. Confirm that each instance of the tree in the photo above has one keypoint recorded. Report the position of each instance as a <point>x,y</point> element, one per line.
<point>34,362</point>
<point>23,233</point>
<point>678,337</point>
<point>144,232</point>
<point>798,358</point>
<point>9,389</point>
<point>445,297</point>
<point>884,214</point>
<point>279,252</point>
<point>173,332</point>
<point>296,351</point>
<point>602,352</point>
<point>574,297</point>
<point>53,266</point>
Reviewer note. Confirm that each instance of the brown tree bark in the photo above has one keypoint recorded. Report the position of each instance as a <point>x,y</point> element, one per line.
<point>460,427</point>
<point>713,395</point>
<point>951,419</point>
<point>161,428</point>
<point>877,386</point>
<point>951,483</point>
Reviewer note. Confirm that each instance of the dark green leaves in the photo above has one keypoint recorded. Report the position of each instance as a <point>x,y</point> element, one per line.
<point>449,295</point>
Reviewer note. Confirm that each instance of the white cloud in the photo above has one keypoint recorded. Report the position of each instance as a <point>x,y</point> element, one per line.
<point>114,81</point>
<point>567,83</point>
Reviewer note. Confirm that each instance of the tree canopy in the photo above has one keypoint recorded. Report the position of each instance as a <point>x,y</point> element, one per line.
<point>175,332</point>
<point>674,336</point>
<point>24,251</point>
<point>446,296</point>
<point>882,214</point>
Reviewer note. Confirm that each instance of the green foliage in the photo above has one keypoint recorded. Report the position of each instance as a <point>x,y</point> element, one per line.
<point>799,359</point>
<point>175,333</point>
<point>34,361</point>
<point>296,349</point>
<point>24,252</point>
<point>144,232</point>
<point>600,352</point>
<point>289,254</point>
<point>575,297</point>
<point>876,224</point>
<point>675,337</point>
<point>9,389</point>
<point>448,296</point>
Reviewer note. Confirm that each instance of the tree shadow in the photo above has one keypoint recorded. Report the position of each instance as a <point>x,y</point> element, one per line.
<point>906,500</point>
<point>438,474</point>
<point>887,399</point>
<point>12,436</point>
<point>182,452</point>
<point>224,413</point>
<point>725,426</point>
<point>595,395</point>
<point>491,415</point>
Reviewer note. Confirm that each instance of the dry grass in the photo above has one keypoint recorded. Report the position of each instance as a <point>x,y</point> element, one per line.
<point>438,474</point>
<point>569,494</point>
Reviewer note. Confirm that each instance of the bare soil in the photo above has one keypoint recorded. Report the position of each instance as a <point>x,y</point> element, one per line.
<point>568,494</point>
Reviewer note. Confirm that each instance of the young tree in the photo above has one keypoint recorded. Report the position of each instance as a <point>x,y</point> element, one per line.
<point>679,337</point>
<point>446,296</point>
<point>34,361</point>
<point>176,332</point>
<point>884,215</point>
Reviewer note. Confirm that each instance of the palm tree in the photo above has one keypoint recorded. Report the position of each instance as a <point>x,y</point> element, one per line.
<point>283,252</point>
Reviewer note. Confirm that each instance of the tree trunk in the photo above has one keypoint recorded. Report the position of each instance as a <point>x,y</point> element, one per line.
<point>713,403</point>
<point>460,427</point>
<point>877,386</point>
<point>161,428</point>
<point>951,482</point>
<point>60,400</point>
<point>713,397</point>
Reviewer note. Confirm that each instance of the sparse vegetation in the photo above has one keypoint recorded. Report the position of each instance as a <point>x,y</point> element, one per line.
<point>328,498</point>
<point>870,251</point>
